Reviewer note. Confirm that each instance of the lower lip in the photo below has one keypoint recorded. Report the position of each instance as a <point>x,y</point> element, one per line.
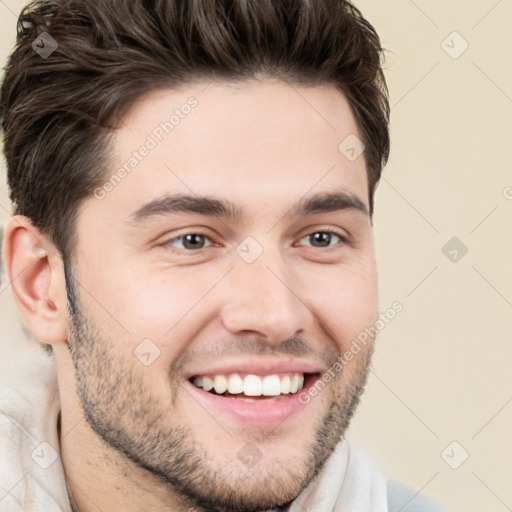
<point>262,412</point>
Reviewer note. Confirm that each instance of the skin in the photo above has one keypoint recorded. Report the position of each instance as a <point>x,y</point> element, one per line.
<point>132,437</point>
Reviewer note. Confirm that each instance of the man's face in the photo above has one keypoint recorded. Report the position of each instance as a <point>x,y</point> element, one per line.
<point>165,296</point>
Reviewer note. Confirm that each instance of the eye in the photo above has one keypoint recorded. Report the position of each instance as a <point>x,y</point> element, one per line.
<point>320,239</point>
<point>190,241</point>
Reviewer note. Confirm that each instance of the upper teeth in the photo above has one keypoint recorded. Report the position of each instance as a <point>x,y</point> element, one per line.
<point>252,385</point>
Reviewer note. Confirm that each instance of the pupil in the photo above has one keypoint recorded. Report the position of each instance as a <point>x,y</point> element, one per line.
<point>193,241</point>
<point>322,239</point>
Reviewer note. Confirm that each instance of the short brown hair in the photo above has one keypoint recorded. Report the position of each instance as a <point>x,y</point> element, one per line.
<point>57,112</point>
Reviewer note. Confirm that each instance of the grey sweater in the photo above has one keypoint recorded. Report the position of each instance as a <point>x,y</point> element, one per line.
<point>404,499</point>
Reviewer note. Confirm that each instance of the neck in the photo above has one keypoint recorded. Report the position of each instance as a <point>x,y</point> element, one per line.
<point>72,502</point>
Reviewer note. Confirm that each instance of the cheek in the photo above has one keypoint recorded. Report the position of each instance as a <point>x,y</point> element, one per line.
<point>160,305</point>
<point>345,300</point>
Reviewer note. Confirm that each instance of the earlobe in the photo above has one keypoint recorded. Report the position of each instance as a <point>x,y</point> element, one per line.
<point>35,273</point>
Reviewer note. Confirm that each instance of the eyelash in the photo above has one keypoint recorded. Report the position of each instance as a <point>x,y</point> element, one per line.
<point>342,239</point>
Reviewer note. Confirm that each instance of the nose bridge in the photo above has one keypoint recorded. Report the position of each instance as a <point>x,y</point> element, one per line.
<point>261,298</point>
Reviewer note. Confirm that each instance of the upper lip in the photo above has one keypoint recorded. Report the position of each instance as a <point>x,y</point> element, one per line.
<point>258,367</point>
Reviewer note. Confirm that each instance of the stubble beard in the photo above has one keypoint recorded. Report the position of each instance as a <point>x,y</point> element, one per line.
<point>111,390</point>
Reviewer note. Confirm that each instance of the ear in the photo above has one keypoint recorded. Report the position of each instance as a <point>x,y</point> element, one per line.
<point>35,273</point>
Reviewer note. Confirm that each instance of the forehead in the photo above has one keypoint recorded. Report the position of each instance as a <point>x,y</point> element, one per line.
<point>256,142</point>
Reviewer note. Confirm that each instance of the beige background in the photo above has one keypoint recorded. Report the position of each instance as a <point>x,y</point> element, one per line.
<point>442,366</point>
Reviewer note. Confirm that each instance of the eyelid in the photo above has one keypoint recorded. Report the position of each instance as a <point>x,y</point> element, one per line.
<point>344,238</point>
<point>168,239</point>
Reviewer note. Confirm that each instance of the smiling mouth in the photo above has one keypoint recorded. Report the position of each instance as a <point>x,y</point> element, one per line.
<point>250,387</point>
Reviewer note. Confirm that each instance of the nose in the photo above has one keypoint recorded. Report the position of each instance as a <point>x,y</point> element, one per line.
<point>261,298</point>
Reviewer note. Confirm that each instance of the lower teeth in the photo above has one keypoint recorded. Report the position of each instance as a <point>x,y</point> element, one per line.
<point>250,399</point>
<point>268,398</point>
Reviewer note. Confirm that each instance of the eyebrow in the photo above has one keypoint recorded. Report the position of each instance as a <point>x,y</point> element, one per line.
<point>218,207</point>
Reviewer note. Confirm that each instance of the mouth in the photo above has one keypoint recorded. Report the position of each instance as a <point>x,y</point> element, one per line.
<point>256,393</point>
<point>254,388</point>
